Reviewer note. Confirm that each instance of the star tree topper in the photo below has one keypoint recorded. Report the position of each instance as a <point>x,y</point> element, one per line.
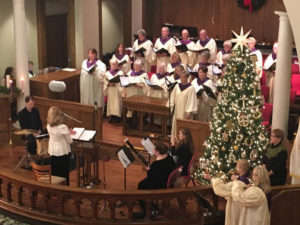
<point>240,40</point>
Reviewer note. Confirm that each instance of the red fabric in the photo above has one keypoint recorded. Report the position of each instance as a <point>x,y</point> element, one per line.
<point>248,3</point>
<point>265,90</point>
<point>295,83</point>
<point>150,75</point>
<point>292,96</point>
<point>153,69</point>
<point>295,68</point>
<point>263,79</point>
<point>266,113</point>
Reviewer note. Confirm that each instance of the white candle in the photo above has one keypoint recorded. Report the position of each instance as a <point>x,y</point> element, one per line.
<point>22,84</point>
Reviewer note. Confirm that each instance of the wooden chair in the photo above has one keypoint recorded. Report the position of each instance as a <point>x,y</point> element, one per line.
<point>188,178</point>
<point>43,174</point>
<point>173,180</point>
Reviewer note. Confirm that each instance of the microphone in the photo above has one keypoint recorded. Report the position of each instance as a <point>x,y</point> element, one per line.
<point>72,118</point>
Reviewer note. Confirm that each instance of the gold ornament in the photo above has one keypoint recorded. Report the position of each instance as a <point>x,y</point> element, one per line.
<point>248,142</point>
<point>231,158</point>
<point>229,125</point>
<point>239,137</point>
<point>236,147</point>
<point>223,148</point>
<point>257,115</point>
<point>234,69</point>
<point>225,136</point>
<point>243,120</point>
<point>244,154</point>
<point>244,75</point>
<point>253,154</point>
<point>220,115</point>
<point>240,40</point>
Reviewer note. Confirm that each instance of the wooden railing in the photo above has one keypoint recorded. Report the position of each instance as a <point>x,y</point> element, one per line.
<point>70,205</point>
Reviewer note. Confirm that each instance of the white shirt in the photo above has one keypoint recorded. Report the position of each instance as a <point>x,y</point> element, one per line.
<point>60,140</point>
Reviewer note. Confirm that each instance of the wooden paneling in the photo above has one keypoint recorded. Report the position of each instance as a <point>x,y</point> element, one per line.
<point>218,17</point>
<point>71,35</point>
<point>41,33</point>
<point>4,119</point>
<point>127,23</point>
<point>100,28</point>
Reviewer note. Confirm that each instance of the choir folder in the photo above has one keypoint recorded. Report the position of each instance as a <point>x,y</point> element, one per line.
<point>161,51</point>
<point>81,134</point>
<point>125,156</point>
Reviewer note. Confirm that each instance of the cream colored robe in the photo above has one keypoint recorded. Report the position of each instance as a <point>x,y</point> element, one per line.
<point>149,54</point>
<point>258,64</point>
<point>158,93</point>
<point>295,160</point>
<point>270,77</point>
<point>205,103</point>
<point>125,67</point>
<point>114,95</point>
<point>91,85</point>
<point>245,206</point>
<point>171,69</point>
<point>219,57</point>
<point>188,57</point>
<point>211,45</point>
<point>209,74</point>
<point>183,103</point>
<point>170,46</point>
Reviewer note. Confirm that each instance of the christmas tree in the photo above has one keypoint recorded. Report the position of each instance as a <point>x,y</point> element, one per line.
<point>236,129</point>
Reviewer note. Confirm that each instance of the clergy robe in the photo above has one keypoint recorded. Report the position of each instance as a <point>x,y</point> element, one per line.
<point>219,57</point>
<point>183,102</point>
<point>114,93</point>
<point>148,53</point>
<point>168,44</point>
<point>259,63</point>
<point>270,75</point>
<point>188,57</point>
<point>91,84</point>
<point>120,58</point>
<point>205,103</point>
<point>211,45</point>
<point>245,206</point>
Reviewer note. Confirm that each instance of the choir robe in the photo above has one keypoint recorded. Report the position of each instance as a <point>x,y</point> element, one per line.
<point>211,45</point>
<point>114,94</point>
<point>168,44</point>
<point>135,90</point>
<point>125,67</point>
<point>295,160</point>
<point>219,57</point>
<point>270,75</point>
<point>171,67</point>
<point>149,54</point>
<point>158,80</point>
<point>183,102</point>
<point>209,70</point>
<point>188,57</point>
<point>259,63</point>
<point>91,84</point>
<point>245,206</point>
<point>205,103</point>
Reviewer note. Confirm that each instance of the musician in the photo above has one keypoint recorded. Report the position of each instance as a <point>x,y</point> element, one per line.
<point>205,102</point>
<point>206,42</point>
<point>147,56</point>
<point>112,88</point>
<point>175,60</point>
<point>253,51</point>
<point>226,50</point>
<point>91,79</point>
<point>204,61</point>
<point>183,100</point>
<point>167,43</point>
<point>183,148</point>
<point>29,118</point>
<point>123,59</point>
<point>188,57</point>
<point>59,143</point>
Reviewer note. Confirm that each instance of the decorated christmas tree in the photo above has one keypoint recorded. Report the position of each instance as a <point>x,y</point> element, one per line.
<point>236,128</point>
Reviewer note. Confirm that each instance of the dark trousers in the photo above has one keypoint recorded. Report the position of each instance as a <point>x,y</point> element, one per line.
<point>60,166</point>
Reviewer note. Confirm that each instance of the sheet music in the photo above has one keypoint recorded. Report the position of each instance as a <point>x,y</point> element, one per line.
<point>87,135</point>
<point>124,80</point>
<point>68,69</point>
<point>148,145</point>
<point>123,158</point>
<point>78,132</point>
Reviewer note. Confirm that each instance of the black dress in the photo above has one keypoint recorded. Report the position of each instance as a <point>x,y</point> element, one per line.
<point>184,154</point>
<point>275,160</point>
<point>30,120</point>
<point>158,174</point>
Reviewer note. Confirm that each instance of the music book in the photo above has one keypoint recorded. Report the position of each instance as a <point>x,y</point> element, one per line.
<point>169,84</point>
<point>148,145</point>
<point>154,86</point>
<point>125,156</point>
<point>209,92</point>
<point>253,58</point>
<point>122,62</point>
<point>182,48</point>
<point>81,134</point>
<point>192,72</point>
<point>90,69</point>
<point>115,79</point>
<point>271,66</point>
<point>160,51</point>
<point>140,51</point>
<point>200,50</point>
<point>127,81</point>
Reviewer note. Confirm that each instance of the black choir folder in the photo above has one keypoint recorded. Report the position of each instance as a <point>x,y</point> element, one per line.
<point>125,156</point>
<point>200,50</point>
<point>203,88</point>
<point>140,51</point>
<point>182,48</point>
<point>161,51</point>
<point>115,79</point>
<point>154,86</point>
<point>91,68</point>
<point>192,72</point>
<point>122,63</point>
<point>270,66</point>
<point>82,134</point>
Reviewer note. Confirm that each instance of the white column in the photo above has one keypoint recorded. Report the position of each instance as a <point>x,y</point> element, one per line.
<point>22,77</point>
<point>282,81</point>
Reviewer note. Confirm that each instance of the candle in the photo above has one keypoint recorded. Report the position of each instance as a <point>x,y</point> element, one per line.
<point>10,86</point>
<point>22,84</point>
<point>7,80</point>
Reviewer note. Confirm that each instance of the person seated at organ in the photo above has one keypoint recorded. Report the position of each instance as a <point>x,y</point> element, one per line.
<point>112,88</point>
<point>206,42</point>
<point>225,51</point>
<point>175,60</point>
<point>122,58</point>
<point>29,118</point>
<point>188,57</point>
<point>206,101</point>
<point>183,100</point>
<point>204,61</point>
<point>258,56</point>
<point>167,43</point>
<point>147,56</point>
<point>159,80</point>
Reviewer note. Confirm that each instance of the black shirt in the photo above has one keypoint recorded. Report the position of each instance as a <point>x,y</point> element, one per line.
<point>184,154</point>
<point>30,120</point>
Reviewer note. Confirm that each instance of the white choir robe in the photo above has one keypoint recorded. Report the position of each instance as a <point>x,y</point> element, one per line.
<point>149,54</point>
<point>188,57</point>
<point>170,46</point>
<point>205,103</point>
<point>245,206</point>
<point>270,76</point>
<point>125,67</point>
<point>295,160</point>
<point>136,90</point>
<point>91,85</point>
<point>211,45</point>
<point>209,74</point>
<point>171,67</point>
<point>258,64</point>
<point>219,57</point>
<point>114,95</point>
<point>182,104</point>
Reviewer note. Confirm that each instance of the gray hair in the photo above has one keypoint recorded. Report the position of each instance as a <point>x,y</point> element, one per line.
<point>206,54</point>
<point>227,42</point>
<point>142,32</point>
<point>113,60</point>
<point>138,62</point>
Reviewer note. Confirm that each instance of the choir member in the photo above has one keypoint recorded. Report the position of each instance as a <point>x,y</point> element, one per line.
<point>91,80</point>
<point>206,42</point>
<point>175,60</point>
<point>175,77</point>
<point>113,90</point>
<point>167,43</point>
<point>159,80</point>
<point>9,73</point>
<point>183,100</point>
<point>59,143</point>
<point>255,52</point>
<point>269,67</point>
<point>188,57</point>
<point>147,56</point>
<point>204,61</point>
<point>29,118</point>
<point>30,69</point>
<point>122,58</point>
<point>226,50</point>
<point>205,102</point>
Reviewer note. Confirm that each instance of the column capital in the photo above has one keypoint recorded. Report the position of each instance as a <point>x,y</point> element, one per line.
<point>282,15</point>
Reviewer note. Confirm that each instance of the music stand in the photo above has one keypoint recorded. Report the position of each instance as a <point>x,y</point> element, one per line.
<point>26,156</point>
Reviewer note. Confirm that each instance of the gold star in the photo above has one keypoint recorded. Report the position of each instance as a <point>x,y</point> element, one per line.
<point>240,40</point>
